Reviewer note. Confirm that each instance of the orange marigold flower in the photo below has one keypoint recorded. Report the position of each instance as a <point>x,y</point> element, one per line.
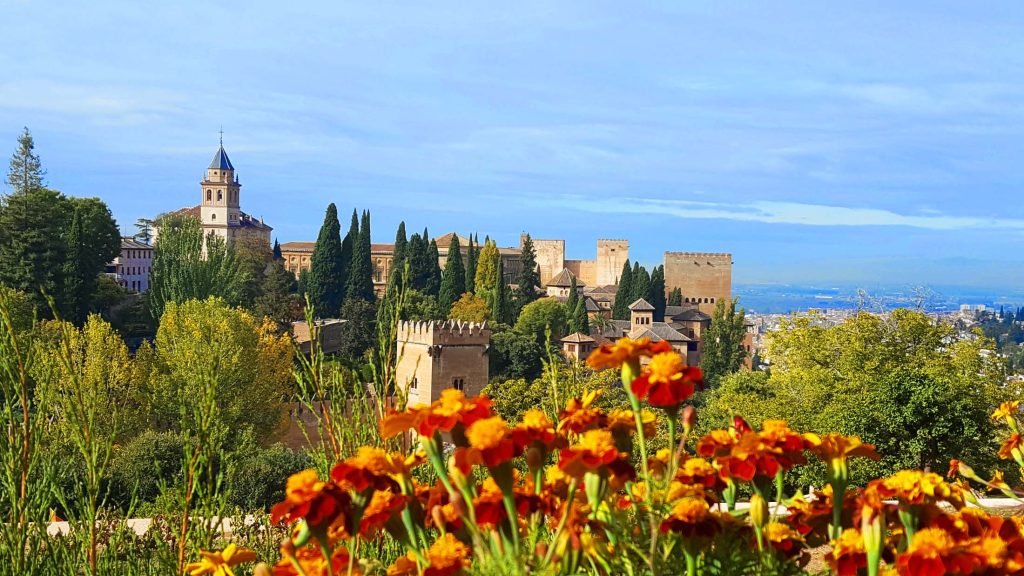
<point>699,471</point>
<point>1006,410</point>
<point>716,443</point>
<point>621,421</point>
<point>596,449</point>
<point>934,553</point>
<point>443,415</point>
<point>381,507</point>
<point>491,439</point>
<point>447,556</point>
<point>220,563</point>
<point>835,447</point>
<point>368,468</point>
<point>848,554</point>
<point>312,562</point>
<point>580,414</point>
<point>535,427</point>
<point>691,518</point>
<point>667,381</point>
<point>1012,443</point>
<point>625,350</point>
<point>308,497</point>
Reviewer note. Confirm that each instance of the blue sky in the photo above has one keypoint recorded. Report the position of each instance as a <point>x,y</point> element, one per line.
<point>868,142</point>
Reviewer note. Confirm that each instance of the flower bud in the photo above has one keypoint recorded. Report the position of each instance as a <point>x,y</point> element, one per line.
<point>287,547</point>
<point>262,570</point>
<point>534,458</point>
<point>458,503</point>
<point>437,515</point>
<point>689,418</point>
<point>758,511</point>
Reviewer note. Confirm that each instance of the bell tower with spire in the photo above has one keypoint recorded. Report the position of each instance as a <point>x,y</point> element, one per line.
<point>220,206</point>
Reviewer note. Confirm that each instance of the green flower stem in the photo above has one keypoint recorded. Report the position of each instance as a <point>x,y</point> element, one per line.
<point>691,562</point>
<point>561,523</point>
<point>513,518</point>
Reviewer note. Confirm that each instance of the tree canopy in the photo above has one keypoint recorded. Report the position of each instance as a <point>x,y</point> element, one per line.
<point>723,342</point>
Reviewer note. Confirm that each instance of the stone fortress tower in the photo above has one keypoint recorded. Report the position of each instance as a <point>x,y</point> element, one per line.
<point>704,278</point>
<point>604,270</point>
<point>433,356</point>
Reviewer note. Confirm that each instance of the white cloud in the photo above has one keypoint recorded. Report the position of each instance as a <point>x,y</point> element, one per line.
<point>786,213</point>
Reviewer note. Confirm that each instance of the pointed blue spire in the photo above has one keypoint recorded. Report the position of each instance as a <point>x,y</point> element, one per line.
<point>221,160</point>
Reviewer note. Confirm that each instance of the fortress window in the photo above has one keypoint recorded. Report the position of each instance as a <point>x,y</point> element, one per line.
<point>413,384</point>
<point>459,384</point>
<point>213,216</point>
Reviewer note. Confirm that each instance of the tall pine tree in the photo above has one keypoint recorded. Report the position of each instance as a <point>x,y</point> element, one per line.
<point>453,280</point>
<point>277,250</point>
<point>675,298</point>
<point>360,271</point>
<point>326,267</point>
<point>620,311</point>
<point>570,302</point>
<point>348,244</point>
<point>529,276</point>
<point>641,283</point>
<point>77,287</point>
<point>399,256</point>
<point>501,303</point>
<point>26,172</point>
<point>579,319</point>
<point>417,257</point>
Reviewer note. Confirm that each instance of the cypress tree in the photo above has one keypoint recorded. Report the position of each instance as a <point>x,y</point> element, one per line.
<point>77,287</point>
<point>26,172</point>
<point>453,280</point>
<point>486,270</point>
<point>620,311</point>
<point>401,251</point>
<point>641,283</point>
<point>360,272</point>
<point>570,303</point>
<point>657,292</point>
<point>580,320</point>
<point>417,258</point>
<point>348,244</point>
<point>676,297</point>
<point>529,276</point>
<point>326,271</point>
<point>470,265</point>
<point>433,285</point>
<point>277,250</point>
<point>500,303</point>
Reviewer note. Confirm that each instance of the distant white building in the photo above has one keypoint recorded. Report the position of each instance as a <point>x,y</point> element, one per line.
<point>131,267</point>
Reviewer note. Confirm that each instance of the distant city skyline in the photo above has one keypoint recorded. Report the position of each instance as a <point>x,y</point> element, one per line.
<point>875,143</point>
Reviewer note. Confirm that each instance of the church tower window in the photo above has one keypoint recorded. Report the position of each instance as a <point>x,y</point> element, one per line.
<point>209,195</point>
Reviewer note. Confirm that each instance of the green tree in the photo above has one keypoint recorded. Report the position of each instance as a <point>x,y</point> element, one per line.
<point>539,316</point>
<point>574,296</point>
<point>501,304</point>
<point>676,297</point>
<point>33,249</point>
<point>723,342</point>
<point>26,171</point>
<point>359,332</point>
<point>143,231</point>
<point>903,382</point>
<point>181,272</point>
<point>278,299</point>
<point>276,252</point>
<point>433,285</point>
<point>399,257</point>
<point>421,307</point>
<point>79,280</point>
<point>579,322</point>
<point>657,292</point>
<point>453,280</point>
<point>471,259</point>
<point>620,310</point>
<point>326,281</point>
<point>641,283</point>
<point>487,271</point>
<point>208,342</point>
<point>514,355</point>
<point>470,308</point>
<point>360,272</point>
<point>254,257</point>
<point>529,276</point>
<point>419,263</point>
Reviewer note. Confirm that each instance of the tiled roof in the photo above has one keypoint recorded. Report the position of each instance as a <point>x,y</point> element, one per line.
<point>691,315</point>
<point>129,243</point>
<point>221,161</point>
<point>609,289</point>
<point>577,338</point>
<point>660,331</point>
<point>564,279</point>
<point>590,304</point>
<point>641,305</point>
<point>445,241</point>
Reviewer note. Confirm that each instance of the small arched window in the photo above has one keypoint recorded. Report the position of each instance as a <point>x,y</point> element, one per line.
<point>213,216</point>
<point>220,195</point>
<point>209,195</point>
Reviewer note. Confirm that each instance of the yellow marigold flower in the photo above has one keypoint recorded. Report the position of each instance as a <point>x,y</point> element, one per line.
<point>691,518</point>
<point>1013,443</point>
<point>625,350</point>
<point>621,420</point>
<point>848,554</point>
<point>580,414</point>
<point>1006,410</point>
<point>220,563</point>
<point>836,449</point>
<point>913,487</point>
<point>783,538</point>
<point>490,438</point>
<point>932,553</point>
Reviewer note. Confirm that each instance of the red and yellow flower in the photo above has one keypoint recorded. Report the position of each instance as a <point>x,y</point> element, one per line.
<point>596,450</point>
<point>307,497</point>
<point>667,381</point>
<point>625,350</point>
<point>220,563</point>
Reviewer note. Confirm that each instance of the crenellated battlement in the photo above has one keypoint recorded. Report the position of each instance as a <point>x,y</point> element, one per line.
<point>713,255</point>
<point>447,332</point>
